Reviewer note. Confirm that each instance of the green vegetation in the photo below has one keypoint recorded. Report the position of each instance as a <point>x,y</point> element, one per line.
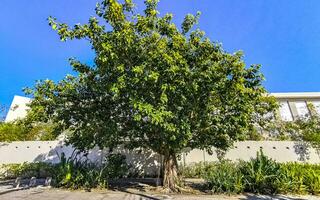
<point>260,175</point>
<point>153,85</point>
<point>224,177</point>
<point>305,129</point>
<point>73,172</point>
<point>13,132</point>
<point>26,170</point>
<point>21,131</point>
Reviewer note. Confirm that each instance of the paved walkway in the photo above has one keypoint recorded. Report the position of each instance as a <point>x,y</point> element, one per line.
<point>55,194</point>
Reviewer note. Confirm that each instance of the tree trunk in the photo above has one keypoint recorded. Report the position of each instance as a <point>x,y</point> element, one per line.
<point>170,174</point>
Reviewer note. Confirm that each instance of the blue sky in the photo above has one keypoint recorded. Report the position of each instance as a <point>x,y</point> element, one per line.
<point>281,35</point>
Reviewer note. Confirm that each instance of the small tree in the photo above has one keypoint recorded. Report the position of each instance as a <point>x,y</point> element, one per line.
<point>153,85</point>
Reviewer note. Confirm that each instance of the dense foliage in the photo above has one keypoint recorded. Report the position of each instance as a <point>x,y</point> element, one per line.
<point>76,173</point>
<point>72,172</point>
<point>26,170</point>
<point>306,128</point>
<point>260,175</point>
<point>22,131</point>
<point>153,85</point>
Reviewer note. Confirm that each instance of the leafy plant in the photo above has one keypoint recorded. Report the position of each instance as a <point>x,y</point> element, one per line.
<point>224,177</point>
<point>27,170</point>
<point>116,166</point>
<point>291,178</point>
<point>75,173</point>
<point>20,130</point>
<point>312,180</point>
<point>260,174</point>
<point>195,170</point>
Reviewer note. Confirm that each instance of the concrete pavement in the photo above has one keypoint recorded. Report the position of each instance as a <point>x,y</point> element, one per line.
<point>41,193</point>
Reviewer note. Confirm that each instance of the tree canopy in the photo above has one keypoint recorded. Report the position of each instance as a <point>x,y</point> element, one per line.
<point>153,85</point>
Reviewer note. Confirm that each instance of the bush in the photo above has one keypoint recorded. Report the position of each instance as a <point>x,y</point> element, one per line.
<point>27,170</point>
<point>299,178</point>
<point>75,173</point>
<point>196,170</point>
<point>116,166</point>
<point>224,177</point>
<point>260,174</point>
<point>22,131</point>
<point>291,178</point>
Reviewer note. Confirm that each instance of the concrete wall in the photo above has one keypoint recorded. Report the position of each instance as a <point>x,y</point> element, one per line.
<point>148,162</point>
<point>281,151</point>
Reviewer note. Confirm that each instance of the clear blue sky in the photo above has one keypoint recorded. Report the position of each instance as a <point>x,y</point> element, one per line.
<point>282,35</point>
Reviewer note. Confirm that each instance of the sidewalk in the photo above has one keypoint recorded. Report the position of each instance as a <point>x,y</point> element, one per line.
<point>56,194</point>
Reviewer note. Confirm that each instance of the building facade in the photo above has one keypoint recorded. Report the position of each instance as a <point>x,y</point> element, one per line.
<point>297,105</point>
<point>18,108</point>
<point>293,105</point>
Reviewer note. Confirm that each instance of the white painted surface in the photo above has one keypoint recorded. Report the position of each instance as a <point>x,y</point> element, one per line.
<point>281,151</point>
<point>50,151</point>
<point>148,162</point>
<point>18,108</point>
<point>316,105</point>
<point>296,95</point>
<point>285,111</point>
<point>302,109</point>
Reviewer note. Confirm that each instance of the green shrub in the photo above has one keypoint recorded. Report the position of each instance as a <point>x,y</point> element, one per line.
<point>224,177</point>
<point>22,131</point>
<point>195,170</point>
<point>27,170</point>
<point>291,178</point>
<point>75,173</point>
<point>72,172</point>
<point>116,166</point>
<point>312,179</point>
<point>260,174</point>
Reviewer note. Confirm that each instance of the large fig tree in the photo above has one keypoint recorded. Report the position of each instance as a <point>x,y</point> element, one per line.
<point>153,85</point>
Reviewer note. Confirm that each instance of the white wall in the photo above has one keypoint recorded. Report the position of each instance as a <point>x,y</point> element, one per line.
<point>146,162</point>
<point>49,151</point>
<point>281,151</point>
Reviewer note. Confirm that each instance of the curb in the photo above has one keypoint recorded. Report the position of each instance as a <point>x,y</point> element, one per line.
<point>13,190</point>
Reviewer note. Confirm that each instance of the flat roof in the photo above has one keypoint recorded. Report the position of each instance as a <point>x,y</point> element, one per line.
<point>296,95</point>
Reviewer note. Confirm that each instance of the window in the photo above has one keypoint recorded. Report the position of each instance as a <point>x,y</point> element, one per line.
<point>302,109</point>
<point>316,105</point>
<point>285,112</point>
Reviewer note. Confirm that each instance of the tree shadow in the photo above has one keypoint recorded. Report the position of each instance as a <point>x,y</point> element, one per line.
<point>56,150</point>
<point>268,197</point>
<point>124,184</point>
<point>143,163</point>
<point>302,149</point>
<point>142,196</point>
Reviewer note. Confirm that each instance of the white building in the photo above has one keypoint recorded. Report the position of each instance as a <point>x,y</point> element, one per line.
<point>292,105</point>
<point>18,108</point>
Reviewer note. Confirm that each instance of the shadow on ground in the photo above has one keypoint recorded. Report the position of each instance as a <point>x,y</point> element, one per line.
<point>268,197</point>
